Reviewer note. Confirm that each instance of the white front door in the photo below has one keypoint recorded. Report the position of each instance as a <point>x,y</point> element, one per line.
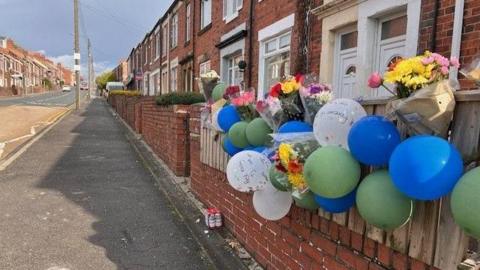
<point>391,43</point>
<point>345,64</point>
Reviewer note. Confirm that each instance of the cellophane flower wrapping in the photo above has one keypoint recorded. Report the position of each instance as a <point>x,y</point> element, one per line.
<point>428,110</point>
<point>472,71</point>
<point>271,111</point>
<point>244,101</point>
<point>313,97</point>
<point>293,150</point>
<point>206,83</point>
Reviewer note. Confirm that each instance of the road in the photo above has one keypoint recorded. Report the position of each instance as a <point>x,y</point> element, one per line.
<point>22,118</point>
<point>80,198</point>
<point>52,99</point>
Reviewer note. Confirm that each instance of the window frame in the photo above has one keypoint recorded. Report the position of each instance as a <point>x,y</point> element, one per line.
<point>173,79</point>
<point>203,65</point>
<point>165,42</point>
<point>203,23</point>
<point>157,45</point>
<point>174,31</point>
<point>188,22</point>
<point>277,51</point>
<point>231,9</point>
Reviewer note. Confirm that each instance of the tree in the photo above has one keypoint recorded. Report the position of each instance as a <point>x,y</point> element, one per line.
<point>104,78</point>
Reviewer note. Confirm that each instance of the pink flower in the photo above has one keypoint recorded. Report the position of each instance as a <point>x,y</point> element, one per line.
<point>375,80</point>
<point>244,99</point>
<point>444,70</point>
<point>304,91</point>
<point>454,62</point>
<point>427,60</point>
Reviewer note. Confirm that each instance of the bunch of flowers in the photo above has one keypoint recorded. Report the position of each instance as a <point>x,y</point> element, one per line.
<point>287,92</point>
<point>287,160</point>
<point>271,111</point>
<point>243,100</point>
<point>314,96</point>
<point>411,74</point>
<point>290,158</point>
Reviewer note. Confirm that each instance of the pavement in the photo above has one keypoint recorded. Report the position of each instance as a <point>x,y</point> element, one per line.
<point>81,198</point>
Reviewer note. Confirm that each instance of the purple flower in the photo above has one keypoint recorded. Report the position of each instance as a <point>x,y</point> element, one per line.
<point>315,89</point>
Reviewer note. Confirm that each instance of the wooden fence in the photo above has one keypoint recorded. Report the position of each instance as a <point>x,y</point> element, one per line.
<point>432,235</point>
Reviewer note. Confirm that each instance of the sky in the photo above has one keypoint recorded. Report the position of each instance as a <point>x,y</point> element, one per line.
<point>113,26</point>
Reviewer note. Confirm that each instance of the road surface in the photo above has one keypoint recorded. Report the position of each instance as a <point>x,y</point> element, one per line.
<point>52,99</point>
<point>79,198</point>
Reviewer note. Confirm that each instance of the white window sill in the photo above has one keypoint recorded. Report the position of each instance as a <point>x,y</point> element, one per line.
<point>230,18</point>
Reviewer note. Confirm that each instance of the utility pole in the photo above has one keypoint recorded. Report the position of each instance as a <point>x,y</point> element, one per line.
<point>89,69</point>
<point>76,55</point>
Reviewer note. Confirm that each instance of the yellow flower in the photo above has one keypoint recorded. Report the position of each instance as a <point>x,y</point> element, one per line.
<point>296,179</point>
<point>290,86</point>
<point>284,151</point>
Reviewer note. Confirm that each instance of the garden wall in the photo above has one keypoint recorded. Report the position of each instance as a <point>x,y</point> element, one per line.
<point>164,129</point>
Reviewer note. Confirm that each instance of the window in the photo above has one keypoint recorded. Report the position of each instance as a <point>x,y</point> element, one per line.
<point>174,31</point>
<point>206,13</point>
<point>234,77</point>
<point>276,59</point>
<point>173,79</point>
<point>146,55</point>
<point>164,86</point>
<point>187,77</point>
<point>204,67</point>
<point>157,45</point>
<point>188,22</point>
<point>152,49</point>
<point>164,40</point>
<point>231,8</point>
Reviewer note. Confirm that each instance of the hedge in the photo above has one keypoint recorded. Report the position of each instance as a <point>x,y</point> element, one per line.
<point>130,93</point>
<point>180,98</point>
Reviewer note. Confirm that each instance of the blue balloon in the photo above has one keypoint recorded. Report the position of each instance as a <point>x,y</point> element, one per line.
<point>229,148</point>
<point>338,205</point>
<point>425,167</point>
<point>227,117</point>
<point>295,126</point>
<point>372,140</point>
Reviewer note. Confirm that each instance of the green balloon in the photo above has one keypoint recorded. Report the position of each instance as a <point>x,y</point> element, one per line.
<point>465,203</point>
<point>331,172</point>
<point>279,179</point>
<point>257,132</point>
<point>305,200</point>
<point>381,204</point>
<point>237,134</point>
<point>218,91</point>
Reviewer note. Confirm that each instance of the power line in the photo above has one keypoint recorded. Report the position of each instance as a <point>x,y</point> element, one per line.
<point>118,20</point>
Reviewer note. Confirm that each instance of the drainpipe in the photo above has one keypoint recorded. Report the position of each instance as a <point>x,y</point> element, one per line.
<point>457,39</point>
<point>433,38</point>
<point>250,43</point>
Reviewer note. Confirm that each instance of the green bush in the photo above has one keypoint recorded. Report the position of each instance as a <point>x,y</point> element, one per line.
<point>183,98</point>
<point>130,93</point>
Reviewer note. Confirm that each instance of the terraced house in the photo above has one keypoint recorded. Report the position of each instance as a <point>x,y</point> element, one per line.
<point>342,41</point>
<point>24,72</point>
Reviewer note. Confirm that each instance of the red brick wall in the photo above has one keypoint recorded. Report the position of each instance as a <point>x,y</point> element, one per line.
<point>301,240</point>
<point>165,130</point>
<point>5,92</point>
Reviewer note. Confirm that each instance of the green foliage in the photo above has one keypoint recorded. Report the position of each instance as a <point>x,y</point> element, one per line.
<point>104,78</point>
<point>184,98</point>
<point>130,93</point>
<point>47,83</point>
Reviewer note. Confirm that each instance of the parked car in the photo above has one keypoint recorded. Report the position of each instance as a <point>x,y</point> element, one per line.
<point>66,88</point>
<point>83,86</point>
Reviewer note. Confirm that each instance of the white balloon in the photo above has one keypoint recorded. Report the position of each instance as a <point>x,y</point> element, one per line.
<point>334,121</point>
<point>248,171</point>
<point>271,203</point>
